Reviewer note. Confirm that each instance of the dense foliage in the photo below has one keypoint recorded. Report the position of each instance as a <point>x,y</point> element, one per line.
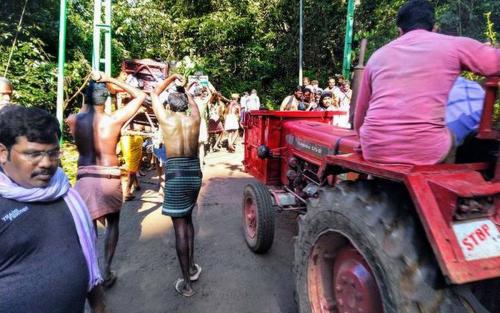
<point>241,44</point>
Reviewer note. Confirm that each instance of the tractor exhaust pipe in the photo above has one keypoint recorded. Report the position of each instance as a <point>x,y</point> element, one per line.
<point>357,77</point>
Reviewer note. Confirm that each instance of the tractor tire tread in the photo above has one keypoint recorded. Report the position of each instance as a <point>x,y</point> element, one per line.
<point>388,227</point>
<point>266,217</point>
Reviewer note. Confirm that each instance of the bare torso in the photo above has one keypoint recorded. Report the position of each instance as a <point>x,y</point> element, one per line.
<point>180,135</point>
<point>96,136</point>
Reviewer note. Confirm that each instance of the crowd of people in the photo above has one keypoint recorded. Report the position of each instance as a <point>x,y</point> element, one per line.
<point>336,96</point>
<point>45,222</point>
<point>191,116</point>
<point>44,218</point>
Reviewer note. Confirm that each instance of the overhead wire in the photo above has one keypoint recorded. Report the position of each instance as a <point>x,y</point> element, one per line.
<point>15,38</point>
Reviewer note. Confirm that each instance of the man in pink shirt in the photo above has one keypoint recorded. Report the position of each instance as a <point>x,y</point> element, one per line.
<point>401,103</point>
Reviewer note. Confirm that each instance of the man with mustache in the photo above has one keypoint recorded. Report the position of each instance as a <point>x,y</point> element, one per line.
<point>96,136</point>
<point>47,255</point>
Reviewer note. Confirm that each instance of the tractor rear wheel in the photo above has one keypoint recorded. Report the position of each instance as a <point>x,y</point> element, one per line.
<point>258,217</point>
<point>360,249</point>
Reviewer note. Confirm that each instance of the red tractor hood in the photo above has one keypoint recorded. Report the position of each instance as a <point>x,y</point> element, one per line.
<point>314,141</point>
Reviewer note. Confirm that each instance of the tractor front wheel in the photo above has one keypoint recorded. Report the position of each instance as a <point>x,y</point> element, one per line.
<point>258,217</point>
<point>360,249</point>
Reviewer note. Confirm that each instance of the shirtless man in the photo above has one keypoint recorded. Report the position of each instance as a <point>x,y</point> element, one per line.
<point>96,135</point>
<point>182,175</point>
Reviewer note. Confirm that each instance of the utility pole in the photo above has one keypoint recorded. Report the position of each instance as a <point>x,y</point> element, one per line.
<point>61,59</point>
<point>99,28</point>
<point>301,40</point>
<point>346,67</point>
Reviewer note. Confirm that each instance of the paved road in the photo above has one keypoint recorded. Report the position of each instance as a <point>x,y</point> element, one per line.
<point>233,279</point>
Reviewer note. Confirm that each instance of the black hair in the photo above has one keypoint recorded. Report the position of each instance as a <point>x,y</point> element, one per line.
<point>36,125</point>
<point>416,14</point>
<point>298,88</point>
<point>96,93</point>
<point>323,96</point>
<point>178,102</point>
<point>305,89</point>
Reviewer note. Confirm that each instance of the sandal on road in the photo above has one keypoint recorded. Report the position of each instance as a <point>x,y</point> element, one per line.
<point>110,280</point>
<point>196,275</point>
<point>179,287</point>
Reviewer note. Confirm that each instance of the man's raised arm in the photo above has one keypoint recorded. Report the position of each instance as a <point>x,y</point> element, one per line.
<point>124,114</point>
<point>164,84</point>
<point>158,108</point>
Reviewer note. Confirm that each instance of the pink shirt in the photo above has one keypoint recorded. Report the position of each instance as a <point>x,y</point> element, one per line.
<point>401,103</point>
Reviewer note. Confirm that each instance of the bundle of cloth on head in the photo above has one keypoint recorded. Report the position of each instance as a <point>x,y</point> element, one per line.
<point>58,187</point>
<point>97,93</point>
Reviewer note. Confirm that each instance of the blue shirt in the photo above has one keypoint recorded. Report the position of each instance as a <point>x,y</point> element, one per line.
<point>464,108</point>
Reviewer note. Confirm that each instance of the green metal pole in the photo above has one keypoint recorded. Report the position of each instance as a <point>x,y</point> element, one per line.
<point>301,41</point>
<point>107,39</point>
<point>60,64</point>
<point>346,67</point>
<point>96,52</point>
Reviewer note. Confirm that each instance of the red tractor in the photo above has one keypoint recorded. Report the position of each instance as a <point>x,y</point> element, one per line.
<point>377,238</point>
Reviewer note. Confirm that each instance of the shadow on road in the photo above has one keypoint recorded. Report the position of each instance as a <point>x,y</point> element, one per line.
<point>233,279</point>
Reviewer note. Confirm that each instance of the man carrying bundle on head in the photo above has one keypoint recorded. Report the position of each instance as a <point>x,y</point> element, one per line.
<point>96,136</point>
<point>182,175</point>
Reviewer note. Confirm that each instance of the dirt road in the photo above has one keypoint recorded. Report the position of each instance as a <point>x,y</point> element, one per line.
<point>233,279</point>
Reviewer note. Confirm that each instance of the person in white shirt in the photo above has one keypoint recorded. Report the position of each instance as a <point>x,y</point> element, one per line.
<point>343,96</point>
<point>243,102</point>
<point>332,87</point>
<point>253,101</point>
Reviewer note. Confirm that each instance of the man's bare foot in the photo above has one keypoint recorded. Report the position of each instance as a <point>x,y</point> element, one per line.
<point>183,289</point>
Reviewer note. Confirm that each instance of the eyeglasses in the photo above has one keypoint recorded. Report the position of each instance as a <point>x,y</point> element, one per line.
<point>37,156</point>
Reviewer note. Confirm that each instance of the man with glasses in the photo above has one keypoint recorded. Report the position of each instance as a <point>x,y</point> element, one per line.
<point>96,136</point>
<point>47,255</point>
